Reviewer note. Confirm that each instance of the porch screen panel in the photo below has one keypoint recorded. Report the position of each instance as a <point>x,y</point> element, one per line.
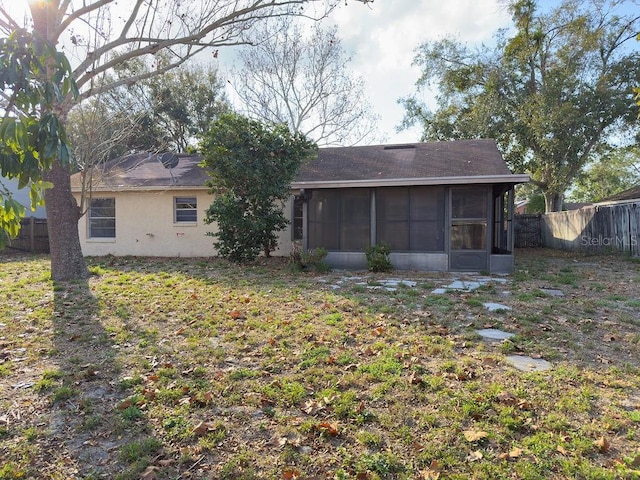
<point>323,219</point>
<point>355,219</point>
<point>427,219</point>
<point>392,217</point>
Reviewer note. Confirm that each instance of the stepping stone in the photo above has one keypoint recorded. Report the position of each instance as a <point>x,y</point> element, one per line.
<point>495,307</point>
<point>494,334</point>
<point>462,285</point>
<point>553,292</point>
<point>528,364</point>
<point>394,282</point>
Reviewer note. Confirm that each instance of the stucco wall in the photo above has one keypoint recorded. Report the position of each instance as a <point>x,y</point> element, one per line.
<point>145,227</point>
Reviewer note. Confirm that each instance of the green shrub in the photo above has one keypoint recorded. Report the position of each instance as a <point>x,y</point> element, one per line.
<point>309,259</point>
<point>378,258</point>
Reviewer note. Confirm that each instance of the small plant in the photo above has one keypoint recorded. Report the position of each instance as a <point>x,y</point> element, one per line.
<point>313,259</point>
<point>378,258</point>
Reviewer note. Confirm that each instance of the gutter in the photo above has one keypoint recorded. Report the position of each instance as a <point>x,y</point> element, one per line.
<point>407,182</point>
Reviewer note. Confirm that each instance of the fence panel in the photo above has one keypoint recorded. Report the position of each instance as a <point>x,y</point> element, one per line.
<point>597,228</point>
<point>527,231</point>
<point>33,236</point>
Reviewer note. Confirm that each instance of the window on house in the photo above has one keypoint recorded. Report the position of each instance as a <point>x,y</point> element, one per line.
<point>102,218</point>
<point>340,219</point>
<point>298,209</point>
<point>411,218</point>
<point>185,210</point>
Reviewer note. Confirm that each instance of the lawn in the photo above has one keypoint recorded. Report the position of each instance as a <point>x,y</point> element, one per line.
<point>201,369</point>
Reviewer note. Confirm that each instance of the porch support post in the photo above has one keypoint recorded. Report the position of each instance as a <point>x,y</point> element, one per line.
<point>372,220</point>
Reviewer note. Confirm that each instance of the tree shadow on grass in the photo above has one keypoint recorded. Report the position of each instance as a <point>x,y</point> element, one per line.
<point>91,428</point>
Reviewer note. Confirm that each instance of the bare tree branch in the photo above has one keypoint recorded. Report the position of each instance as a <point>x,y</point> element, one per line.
<point>305,83</point>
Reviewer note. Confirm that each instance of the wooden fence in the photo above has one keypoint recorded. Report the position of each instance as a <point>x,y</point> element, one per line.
<point>33,236</point>
<point>598,228</point>
<point>527,231</point>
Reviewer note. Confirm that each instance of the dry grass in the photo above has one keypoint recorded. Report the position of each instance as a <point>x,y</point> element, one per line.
<point>196,368</point>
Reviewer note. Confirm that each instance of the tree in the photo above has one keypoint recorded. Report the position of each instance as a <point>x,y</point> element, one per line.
<point>162,113</point>
<point>173,109</point>
<point>33,78</point>
<point>287,77</point>
<point>612,173</point>
<point>552,95</point>
<point>100,37</point>
<point>252,166</point>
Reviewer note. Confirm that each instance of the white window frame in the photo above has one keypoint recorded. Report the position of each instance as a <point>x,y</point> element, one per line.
<point>91,218</point>
<point>176,209</point>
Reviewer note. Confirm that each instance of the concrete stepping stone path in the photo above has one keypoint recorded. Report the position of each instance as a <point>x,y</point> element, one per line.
<point>528,364</point>
<point>496,307</point>
<point>494,334</point>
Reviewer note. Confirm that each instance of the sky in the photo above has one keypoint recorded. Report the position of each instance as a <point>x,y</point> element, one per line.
<point>382,37</point>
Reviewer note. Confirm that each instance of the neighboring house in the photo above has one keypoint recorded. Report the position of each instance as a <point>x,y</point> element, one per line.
<point>575,205</point>
<point>630,195</point>
<point>22,196</point>
<point>441,206</point>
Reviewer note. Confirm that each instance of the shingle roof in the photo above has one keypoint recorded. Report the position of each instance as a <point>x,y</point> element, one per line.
<point>434,161</point>
<point>409,161</point>
<point>631,194</point>
<point>146,171</point>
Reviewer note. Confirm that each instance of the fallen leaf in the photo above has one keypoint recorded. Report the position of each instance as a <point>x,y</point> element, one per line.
<point>431,473</point>
<point>236,314</point>
<point>602,444</point>
<point>290,474</point>
<point>562,450</point>
<point>415,379</point>
<point>330,429</point>
<point>473,435</point>
<point>515,453</point>
<point>202,428</point>
<point>311,407</point>
<point>475,456</point>
<point>428,474</point>
<point>369,351</point>
<point>507,398</point>
<point>149,473</point>
<point>378,331</point>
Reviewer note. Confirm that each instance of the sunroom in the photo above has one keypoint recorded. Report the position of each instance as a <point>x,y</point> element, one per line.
<point>443,206</point>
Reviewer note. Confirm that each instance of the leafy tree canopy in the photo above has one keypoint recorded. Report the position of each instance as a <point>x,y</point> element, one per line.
<point>33,77</point>
<point>610,174</point>
<point>252,165</point>
<point>552,94</point>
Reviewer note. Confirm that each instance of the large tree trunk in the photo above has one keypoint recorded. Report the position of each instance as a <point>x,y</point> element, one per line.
<point>67,261</point>
<point>553,202</point>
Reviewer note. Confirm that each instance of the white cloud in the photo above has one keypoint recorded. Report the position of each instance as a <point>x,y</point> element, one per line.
<point>383,37</point>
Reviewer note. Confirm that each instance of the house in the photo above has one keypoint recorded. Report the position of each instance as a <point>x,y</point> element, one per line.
<point>441,206</point>
<point>630,195</point>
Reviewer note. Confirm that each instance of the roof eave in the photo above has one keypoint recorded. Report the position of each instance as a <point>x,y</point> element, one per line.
<point>405,182</point>
<point>140,188</point>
